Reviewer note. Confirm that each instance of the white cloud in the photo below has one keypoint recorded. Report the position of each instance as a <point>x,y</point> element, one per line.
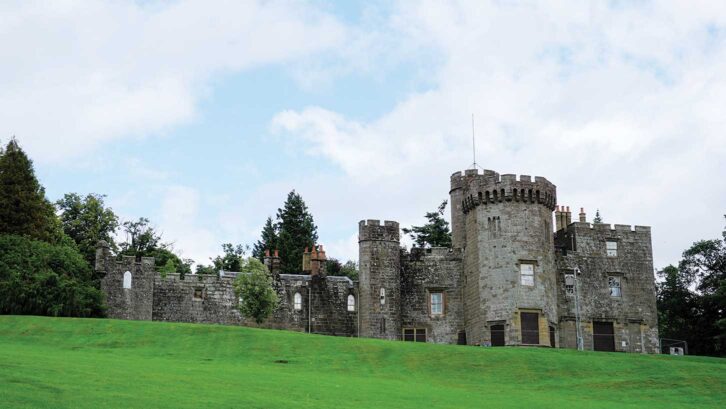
<point>620,106</point>
<point>75,74</point>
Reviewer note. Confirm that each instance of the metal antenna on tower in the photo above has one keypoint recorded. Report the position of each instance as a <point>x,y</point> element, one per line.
<point>473,143</point>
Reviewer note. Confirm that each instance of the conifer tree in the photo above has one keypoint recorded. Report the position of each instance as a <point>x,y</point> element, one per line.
<point>597,218</point>
<point>268,241</point>
<point>435,233</point>
<point>24,210</point>
<point>297,230</point>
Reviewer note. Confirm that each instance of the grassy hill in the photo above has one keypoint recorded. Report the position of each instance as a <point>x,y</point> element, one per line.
<point>86,363</point>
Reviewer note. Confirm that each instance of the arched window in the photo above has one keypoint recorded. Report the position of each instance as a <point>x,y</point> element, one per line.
<point>297,301</point>
<point>127,279</point>
<point>351,302</point>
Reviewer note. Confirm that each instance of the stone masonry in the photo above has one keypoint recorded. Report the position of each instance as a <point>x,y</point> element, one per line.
<point>512,277</point>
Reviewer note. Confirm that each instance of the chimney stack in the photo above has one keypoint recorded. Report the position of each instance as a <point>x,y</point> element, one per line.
<point>583,218</point>
<point>272,262</point>
<point>568,217</point>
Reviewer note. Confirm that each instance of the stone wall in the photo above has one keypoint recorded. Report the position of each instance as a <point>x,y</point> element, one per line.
<point>198,298</point>
<point>424,271</point>
<point>133,303</point>
<point>633,314</point>
<point>380,268</point>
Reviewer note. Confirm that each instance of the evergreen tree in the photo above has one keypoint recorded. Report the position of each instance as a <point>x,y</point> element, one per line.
<point>297,230</point>
<point>87,221</point>
<point>597,218</point>
<point>435,233</point>
<point>24,210</point>
<point>268,241</point>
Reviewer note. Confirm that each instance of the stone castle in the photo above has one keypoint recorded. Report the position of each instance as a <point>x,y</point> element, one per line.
<point>511,277</point>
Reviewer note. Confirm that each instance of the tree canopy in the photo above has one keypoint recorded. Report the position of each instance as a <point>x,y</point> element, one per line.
<point>24,210</point>
<point>258,298</point>
<point>297,231</point>
<point>268,240</point>
<point>692,298</point>
<point>435,233</point>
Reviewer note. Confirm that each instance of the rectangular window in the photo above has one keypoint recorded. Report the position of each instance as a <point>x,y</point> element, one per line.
<point>198,293</point>
<point>614,284</point>
<point>569,285</point>
<point>612,248</point>
<point>497,335</point>
<point>414,334</point>
<point>437,303</point>
<point>383,296</point>
<point>526,272</point>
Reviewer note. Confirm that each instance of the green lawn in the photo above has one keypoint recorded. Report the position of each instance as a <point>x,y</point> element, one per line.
<point>88,363</point>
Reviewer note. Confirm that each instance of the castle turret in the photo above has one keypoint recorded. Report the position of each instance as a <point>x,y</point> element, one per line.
<point>505,224</point>
<point>380,281</point>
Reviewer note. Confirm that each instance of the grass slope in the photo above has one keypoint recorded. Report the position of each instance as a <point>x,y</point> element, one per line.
<point>86,363</point>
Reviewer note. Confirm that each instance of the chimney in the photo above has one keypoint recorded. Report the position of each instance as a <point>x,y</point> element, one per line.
<point>274,263</point>
<point>317,261</point>
<point>583,218</point>
<point>559,218</point>
<point>306,261</point>
<point>568,217</point>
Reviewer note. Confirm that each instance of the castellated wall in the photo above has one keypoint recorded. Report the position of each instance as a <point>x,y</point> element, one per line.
<point>198,298</point>
<point>633,313</point>
<point>380,280</point>
<point>424,271</point>
<point>133,303</point>
<point>506,222</point>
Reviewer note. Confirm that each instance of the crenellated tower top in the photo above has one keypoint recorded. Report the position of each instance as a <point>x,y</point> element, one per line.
<point>488,187</point>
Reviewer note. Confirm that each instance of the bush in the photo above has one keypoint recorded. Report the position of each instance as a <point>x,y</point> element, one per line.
<point>39,278</point>
<point>254,286</point>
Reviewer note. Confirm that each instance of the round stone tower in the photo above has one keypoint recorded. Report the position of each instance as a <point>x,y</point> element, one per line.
<point>504,225</point>
<point>379,279</point>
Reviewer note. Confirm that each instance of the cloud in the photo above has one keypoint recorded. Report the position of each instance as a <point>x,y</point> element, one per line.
<point>77,74</point>
<point>617,104</point>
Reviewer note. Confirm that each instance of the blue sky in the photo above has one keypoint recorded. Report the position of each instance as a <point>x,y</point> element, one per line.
<point>203,115</point>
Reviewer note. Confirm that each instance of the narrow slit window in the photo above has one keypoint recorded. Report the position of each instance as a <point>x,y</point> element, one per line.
<point>383,296</point>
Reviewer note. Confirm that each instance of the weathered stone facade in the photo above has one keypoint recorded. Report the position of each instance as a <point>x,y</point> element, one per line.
<point>510,278</point>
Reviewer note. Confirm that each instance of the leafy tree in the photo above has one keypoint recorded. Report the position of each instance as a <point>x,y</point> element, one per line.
<point>692,298</point>
<point>232,257</point>
<point>204,269</point>
<point>255,289</point>
<point>142,240</point>
<point>87,221</point>
<point>435,233</point>
<point>297,230</point>
<point>168,268</point>
<point>335,268</point>
<point>42,278</point>
<point>597,218</point>
<point>24,210</point>
<point>268,241</point>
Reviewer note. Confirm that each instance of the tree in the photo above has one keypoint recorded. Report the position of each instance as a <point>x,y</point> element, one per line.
<point>232,257</point>
<point>268,241</point>
<point>254,288</point>
<point>334,267</point>
<point>42,278</point>
<point>692,298</point>
<point>297,230</point>
<point>435,233</point>
<point>142,240</point>
<point>597,218</point>
<point>87,221</point>
<point>24,210</point>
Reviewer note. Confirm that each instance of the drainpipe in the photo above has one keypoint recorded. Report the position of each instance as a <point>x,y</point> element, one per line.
<point>310,307</point>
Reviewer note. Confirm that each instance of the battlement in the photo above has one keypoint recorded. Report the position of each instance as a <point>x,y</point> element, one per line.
<point>418,253</point>
<point>372,229</point>
<point>619,228</point>
<point>489,187</point>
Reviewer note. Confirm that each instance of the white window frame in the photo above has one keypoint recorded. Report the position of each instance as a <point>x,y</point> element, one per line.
<point>614,279</point>
<point>128,280</point>
<point>351,302</point>
<point>570,285</point>
<point>526,278</point>
<point>297,302</point>
<point>437,308</point>
<point>611,248</point>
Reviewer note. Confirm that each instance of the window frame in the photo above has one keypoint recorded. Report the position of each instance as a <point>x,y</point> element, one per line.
<point>383,295</point>
<point>441,303</point>
<point>619,280</point>
<point>416,334</point>
<point>351,307</point>
<point>522,275</point>
<point>130,280</point>
<point>297,301</point>
<point>611,252</point>
<point>198,294</point>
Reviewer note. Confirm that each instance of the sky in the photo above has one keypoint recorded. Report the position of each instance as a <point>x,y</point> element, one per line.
<point>203,115</point>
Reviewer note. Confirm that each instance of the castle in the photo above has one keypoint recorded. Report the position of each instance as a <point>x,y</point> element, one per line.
<point>511,277</point>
